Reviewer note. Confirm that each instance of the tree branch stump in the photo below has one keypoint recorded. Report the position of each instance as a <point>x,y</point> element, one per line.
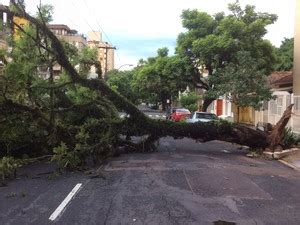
<point>274,139</point>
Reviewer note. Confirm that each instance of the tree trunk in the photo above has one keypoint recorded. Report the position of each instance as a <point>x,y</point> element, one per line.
<point>163,103</point>
<point>275,138</point>
<point>206,103</point>
<point>237,114</point>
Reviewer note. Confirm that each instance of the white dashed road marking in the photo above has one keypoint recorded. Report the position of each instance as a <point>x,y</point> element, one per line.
<point>65,202</point>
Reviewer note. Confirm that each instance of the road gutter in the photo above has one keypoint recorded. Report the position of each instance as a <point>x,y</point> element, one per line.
<point>289,164</point>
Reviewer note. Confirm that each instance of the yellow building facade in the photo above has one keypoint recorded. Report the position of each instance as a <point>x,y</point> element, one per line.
<point>18,22</point>
<point>106,53</point>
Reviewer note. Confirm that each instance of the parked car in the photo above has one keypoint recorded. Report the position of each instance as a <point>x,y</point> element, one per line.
<point>179,114</point>
<point>201,117</point>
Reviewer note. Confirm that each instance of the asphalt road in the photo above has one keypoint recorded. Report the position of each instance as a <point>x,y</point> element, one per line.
<point>152,114</point>
<point>183,183</point>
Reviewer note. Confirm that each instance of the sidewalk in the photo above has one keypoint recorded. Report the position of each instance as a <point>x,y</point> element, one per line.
<point>292,160</point>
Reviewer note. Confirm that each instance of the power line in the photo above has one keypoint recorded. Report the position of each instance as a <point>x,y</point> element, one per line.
<point>106,52</point>
<point>106,48</point>
<point>78,10</point>
<point>69,19</point>
<point>84,19</point>
<point>101,29</point>
<point>98,23</point>
<point>39,4</point>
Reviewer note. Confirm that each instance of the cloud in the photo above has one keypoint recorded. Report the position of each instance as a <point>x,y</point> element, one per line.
<point>139,27</point>
<point>134,49</point>
<point>143,46</point>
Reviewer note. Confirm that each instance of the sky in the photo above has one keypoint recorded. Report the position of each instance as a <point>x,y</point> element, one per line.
<point>137,28</point>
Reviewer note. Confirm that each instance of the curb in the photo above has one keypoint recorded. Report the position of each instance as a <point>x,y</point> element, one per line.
<point>290,165</point>
<point>280,155</point>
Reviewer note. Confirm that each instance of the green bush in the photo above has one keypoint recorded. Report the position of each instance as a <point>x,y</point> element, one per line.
<point>290,138</point>
<point>17,132</point>
<point>65,158</point>
<point>94,140</point>
<point>190,101</point>
<point>8,167</point>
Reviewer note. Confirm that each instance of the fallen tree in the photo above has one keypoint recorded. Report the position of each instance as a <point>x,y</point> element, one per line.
<point>77,130</point>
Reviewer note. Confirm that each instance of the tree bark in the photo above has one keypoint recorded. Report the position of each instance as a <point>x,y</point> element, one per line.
<point>274,139</point>
<point>206,103</point>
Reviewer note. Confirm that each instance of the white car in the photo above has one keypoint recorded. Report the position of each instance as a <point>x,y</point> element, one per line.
<point>201,117</point>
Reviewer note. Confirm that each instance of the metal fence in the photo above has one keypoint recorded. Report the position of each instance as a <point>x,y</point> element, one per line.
<point>276,108</point>
<point>272,111</point>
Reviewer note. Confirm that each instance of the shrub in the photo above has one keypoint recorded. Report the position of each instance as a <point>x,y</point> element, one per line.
<point>8,167</point>
<point>94,140</point>
<point>65,158</point>
<point>290,138</point>
<point>190,101</point>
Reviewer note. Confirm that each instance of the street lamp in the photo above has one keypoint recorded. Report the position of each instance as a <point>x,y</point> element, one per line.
<point>1,67</point>
<point>124,65</point>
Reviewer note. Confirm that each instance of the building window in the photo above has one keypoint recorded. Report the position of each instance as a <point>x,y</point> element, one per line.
<point>276,105</point>
<point>297,103</point>
<point>288,100</point>
<point>273,107</point>
<point>265,106</point>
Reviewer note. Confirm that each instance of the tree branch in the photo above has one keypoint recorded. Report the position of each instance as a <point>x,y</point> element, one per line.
<point>33,38</point>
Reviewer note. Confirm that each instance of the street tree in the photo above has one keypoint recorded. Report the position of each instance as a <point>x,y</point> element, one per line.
<point>123,82</point>
<point>162,77</point>
<point>285,55</point>
<point>190,101</point>
<point>212,42</point>
<point>242,82</point>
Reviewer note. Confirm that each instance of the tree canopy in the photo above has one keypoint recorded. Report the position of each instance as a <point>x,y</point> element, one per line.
<point>161,77</point>
<point>285,55</point>
<point>123,83</point>
<point>243,83</point>
<point>212,42</point>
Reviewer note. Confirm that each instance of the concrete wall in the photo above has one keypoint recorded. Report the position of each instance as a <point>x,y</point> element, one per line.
<point>296,75</point>
<point>21,22</point>
<point>95,41</point>
<point>94,36</point>
<point>102,56</point>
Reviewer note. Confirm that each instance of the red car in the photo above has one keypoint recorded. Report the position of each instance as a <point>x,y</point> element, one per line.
<point>179,114</point>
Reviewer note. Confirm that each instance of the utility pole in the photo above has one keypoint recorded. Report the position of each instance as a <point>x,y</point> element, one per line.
<point>106,51</point>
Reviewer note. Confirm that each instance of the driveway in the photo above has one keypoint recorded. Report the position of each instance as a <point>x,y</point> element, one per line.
<point>183,183</point>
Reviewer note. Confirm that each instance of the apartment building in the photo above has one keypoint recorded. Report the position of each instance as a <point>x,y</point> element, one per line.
<point>69,35</point>
<point>106,53</point>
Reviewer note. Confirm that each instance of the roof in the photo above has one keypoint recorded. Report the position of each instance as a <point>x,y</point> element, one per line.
<point>281,79</point>
<point>3,7</point>
<point>58,26</point>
